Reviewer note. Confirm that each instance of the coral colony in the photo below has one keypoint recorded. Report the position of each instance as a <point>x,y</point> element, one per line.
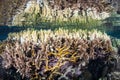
<point>55,55</point>
<point>59,40</point>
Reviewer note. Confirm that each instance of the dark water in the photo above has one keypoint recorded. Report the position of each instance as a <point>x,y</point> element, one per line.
<point>3,36</point>
<point>115,33</point>
<point>5,30</point>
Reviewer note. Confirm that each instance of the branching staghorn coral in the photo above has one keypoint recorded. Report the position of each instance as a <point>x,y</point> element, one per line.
<point>43,35</point>
<point>51,55</point>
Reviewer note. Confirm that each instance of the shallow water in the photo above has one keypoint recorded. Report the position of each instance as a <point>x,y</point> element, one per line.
<point>5,30</point>
<point>3,36</point>
<point>115,34</point>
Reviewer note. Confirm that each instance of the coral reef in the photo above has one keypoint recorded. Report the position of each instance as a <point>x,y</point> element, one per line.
<point>58,55</point>
<point>53,10</point>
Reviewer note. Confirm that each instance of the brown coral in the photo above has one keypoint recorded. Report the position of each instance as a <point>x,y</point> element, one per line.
<point>55,56</point>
